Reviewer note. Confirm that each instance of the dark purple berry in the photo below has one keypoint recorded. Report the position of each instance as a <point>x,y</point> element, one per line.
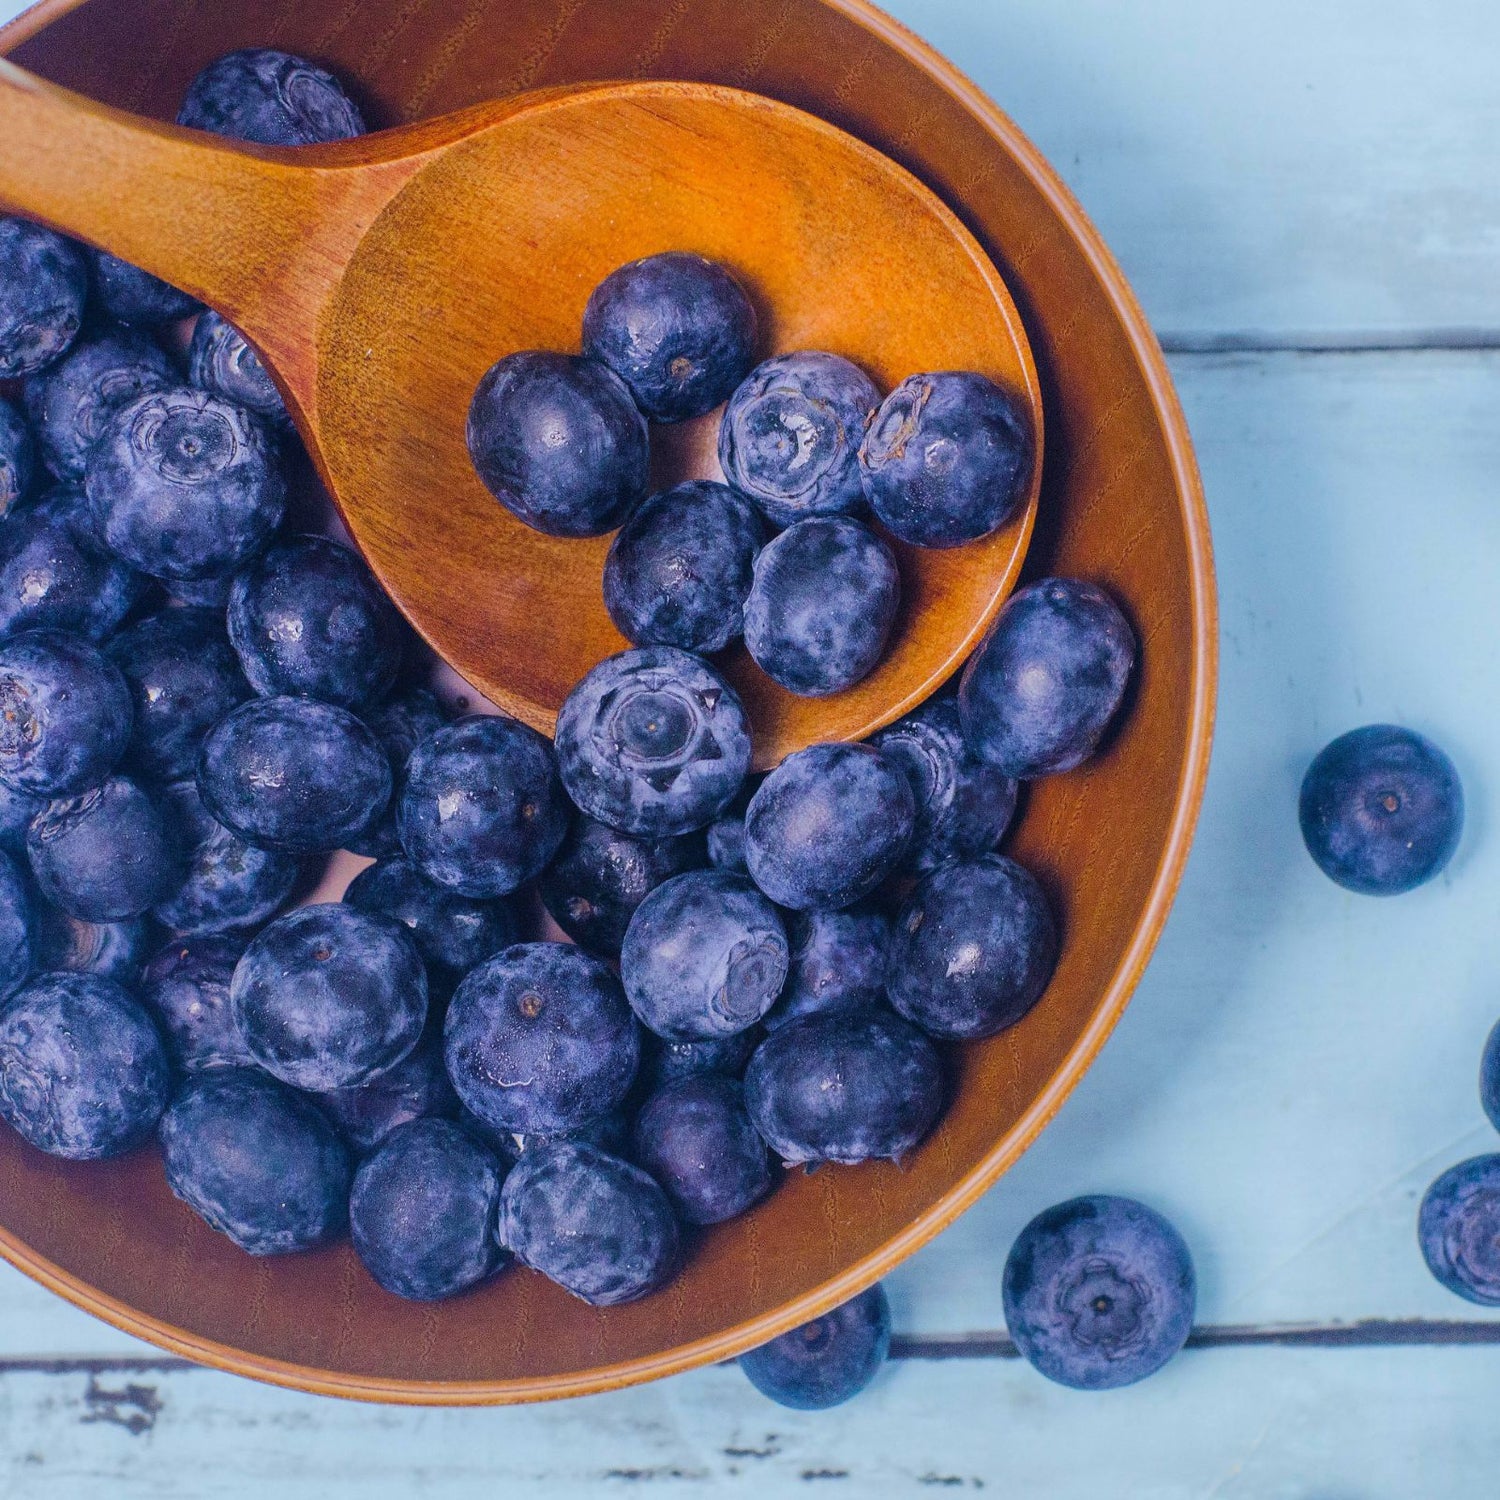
<point>827,1361</point>
<point>272,98</point>
<point>44,284</point>
<point>1458,1228</point>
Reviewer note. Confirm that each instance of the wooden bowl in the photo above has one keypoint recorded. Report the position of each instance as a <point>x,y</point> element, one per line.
<point>1120,504</point>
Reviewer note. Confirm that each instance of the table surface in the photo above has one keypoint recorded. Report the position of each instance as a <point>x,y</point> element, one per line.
<point>1306,198</point>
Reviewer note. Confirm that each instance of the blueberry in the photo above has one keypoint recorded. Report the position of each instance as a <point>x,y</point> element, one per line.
<point>186,989</point>
<point>1099,1292</point>
<point>1042,688</point>
<point>705,956</point>
<point>838,961</point>
<point>256,1161</point>
<point>453,933</point>
<point>790,436</point>
<point>726,845</point>
<point>679,569</point>
<point>307,617</point>
<point>185,485</point>
<point>600,877</point>
<point>1382,810</point>
<point>653,742</point>
<point>696,1140</point>
<point>55,576</point>
<point>964,805</point>
<point>19,927</point>
<point>1458,1228</point>
<point>597,1226</point>
<point>117,950</point>
<point>328,997</point>
<point>664,1062</point>
<point>423,1209</point>
<point>83,1073</point>
<point>65,714</point>
<point>183,679</point>
<point>136,297</point>
<point>72,402</point>
<point>559,443</point>
<point>827,826</point>
<point>417,1088</point>
<point>820,610</point>
<point>973,949</point>
<point>676,328</point>
<point>272,98</point>
<point>845,1086</point>
<point>947,459</point>
<point>230,885</point>
<point>17,809</point>
<point>540,1039</point>
<point>106,854</point>
<point>827,1361</point>
<point>482,811</point>
<point>400,724</point>
<point>220,360</point>
<point>44,284</point>
<point>17,457</point>
<point>293,774</point>
<point>1489,1077</point>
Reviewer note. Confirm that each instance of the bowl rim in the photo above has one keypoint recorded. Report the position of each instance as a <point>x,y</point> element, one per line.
<point>1192,779</point>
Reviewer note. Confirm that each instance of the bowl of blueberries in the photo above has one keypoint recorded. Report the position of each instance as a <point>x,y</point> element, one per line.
<point>357,1036</point>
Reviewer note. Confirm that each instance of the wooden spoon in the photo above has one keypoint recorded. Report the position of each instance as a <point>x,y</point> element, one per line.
<point>380,277</point>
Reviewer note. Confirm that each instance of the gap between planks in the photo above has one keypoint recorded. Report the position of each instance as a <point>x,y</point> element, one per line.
<point>1377,341</point>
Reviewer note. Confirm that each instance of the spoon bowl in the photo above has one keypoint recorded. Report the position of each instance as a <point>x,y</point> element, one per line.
<point>381,277</point>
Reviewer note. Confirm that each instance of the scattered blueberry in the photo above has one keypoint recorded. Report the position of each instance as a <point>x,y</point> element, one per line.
<point>540,1039</point>
<point>186,989</point>
<point>947,459</point>
<point>1489,1077</point>
<point>328,997</point>
<point>83,1073</point>
<point>18,926</point>
<point>964,805</point>
<point>696,1140</point>
<point>1099,1292</point>
<point>107,853</point>
<point>136,297</point>
<point>828,825</point>
<point>292,774</point>
<point>183,679</point>
<point>117,950</point>
<point>1458,1228</point>
<point>558,441</point>
<point>827,1361</point>
<point>220,360</point>
<point>415,1089</point>
<point>973,949</point>
<point>65,714</point>
<point>54,576</point>
<point>676,328</point>
<point>1382,810</point>
<point>423,1209</point>
<point>256,1161</point>
<point>453,933</point>
<point>838,962</point>
<point>272,98</point>
<point>679,569</point>
<point>17,457</point>
<point>307,617</point>
<point>664,1062</point>
<point>44,284</point>
<point>705,956</point>
<point>820,610</point>
<point>600,877</point>
<point>597,1226</point>
<point>1045,682</point>
<point>17,809</point>
<point>654,742</point>
<point>846,1086</point>
<point>401,723</point>
<point>790,436</point>
<point>185,485</point>
<point>482,811</point>
<point>230,885</point>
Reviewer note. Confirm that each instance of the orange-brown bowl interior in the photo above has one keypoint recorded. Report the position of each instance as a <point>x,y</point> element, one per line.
<point>1120,504</point>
